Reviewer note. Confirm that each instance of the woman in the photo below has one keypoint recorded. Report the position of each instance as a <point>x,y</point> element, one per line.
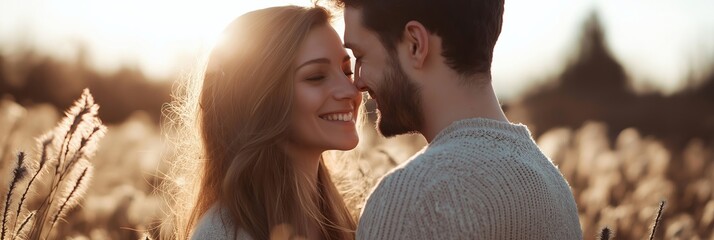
<point>277,93</point>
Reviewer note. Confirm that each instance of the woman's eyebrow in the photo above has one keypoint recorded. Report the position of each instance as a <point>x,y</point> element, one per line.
<point>315,61</point>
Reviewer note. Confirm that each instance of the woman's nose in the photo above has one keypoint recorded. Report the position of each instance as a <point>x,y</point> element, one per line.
<point>346,90</point>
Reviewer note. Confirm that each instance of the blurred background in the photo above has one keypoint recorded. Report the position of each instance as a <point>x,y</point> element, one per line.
<point>619,94</point>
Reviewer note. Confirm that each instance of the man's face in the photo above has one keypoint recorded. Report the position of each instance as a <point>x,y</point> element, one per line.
<point>379,73</point>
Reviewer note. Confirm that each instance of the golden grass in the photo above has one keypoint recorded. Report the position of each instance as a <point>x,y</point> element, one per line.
<point>60,172</point>
<point>617,184</point>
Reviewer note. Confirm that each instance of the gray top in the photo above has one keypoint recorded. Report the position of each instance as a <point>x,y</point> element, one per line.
<point>478,179</point>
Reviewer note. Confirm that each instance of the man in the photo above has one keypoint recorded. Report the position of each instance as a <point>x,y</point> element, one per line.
<point>427,66</point>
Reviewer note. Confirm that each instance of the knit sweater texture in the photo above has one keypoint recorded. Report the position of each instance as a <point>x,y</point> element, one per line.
<point>216,224</point>
<point>477,179</point>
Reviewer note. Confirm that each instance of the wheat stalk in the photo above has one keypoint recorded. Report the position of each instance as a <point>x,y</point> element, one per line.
<point>76,190</point>
<point>72,141</point>
<point>657,219</point>
<point>19,173</point>
<point>27,219</point>
<point>84,111</point>
<point>66,150</point>
<point>45,140</point>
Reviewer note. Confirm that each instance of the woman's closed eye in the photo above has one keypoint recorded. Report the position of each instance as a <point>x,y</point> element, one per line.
<point>316,77</point>
<point>347,68</point>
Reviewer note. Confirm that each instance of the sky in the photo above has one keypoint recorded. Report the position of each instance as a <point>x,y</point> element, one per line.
<point>660,42</point>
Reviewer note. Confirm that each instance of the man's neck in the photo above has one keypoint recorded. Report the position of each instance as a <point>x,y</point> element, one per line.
<point>452,101</point>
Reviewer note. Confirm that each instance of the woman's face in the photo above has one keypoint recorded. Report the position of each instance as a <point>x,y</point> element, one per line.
<point>326,101</point>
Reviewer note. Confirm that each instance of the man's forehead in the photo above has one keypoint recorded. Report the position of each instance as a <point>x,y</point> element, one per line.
<point>353,17</point>
<point>353,11</point>
<point>353,25</point>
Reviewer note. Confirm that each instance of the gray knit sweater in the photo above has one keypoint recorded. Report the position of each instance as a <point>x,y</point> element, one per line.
<point>478,179</point>
<point>216,224</point>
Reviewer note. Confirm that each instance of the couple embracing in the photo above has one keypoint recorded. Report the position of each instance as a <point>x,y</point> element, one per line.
<point>280,90</point>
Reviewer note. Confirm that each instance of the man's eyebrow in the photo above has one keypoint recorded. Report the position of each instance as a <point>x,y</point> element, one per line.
<point>315,61</point>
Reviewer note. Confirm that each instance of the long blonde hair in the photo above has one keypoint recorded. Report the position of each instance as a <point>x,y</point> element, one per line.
<point>241,113</point>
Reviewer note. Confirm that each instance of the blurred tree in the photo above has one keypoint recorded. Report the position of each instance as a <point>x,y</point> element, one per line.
<point>41,79</point>
<point>127,91</point>
<point>595,87</point>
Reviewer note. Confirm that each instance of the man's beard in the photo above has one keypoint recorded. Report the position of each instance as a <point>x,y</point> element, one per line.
<point>398,102</point>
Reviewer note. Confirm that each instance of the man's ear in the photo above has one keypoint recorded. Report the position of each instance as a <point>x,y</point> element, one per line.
<point>416,38</point>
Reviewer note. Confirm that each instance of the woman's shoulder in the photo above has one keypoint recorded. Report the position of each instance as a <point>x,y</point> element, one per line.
<point>216,224</point>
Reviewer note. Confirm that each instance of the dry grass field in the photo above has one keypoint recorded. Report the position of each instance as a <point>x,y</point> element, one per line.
<point>616,184</point>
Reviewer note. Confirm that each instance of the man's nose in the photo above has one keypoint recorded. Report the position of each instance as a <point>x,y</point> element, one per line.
<point>359,84</point>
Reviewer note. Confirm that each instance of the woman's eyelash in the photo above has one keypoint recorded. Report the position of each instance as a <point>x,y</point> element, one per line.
<point>321,77</point>
<point>315,78</point>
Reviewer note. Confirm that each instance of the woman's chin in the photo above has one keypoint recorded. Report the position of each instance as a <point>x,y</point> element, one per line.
<point>346,144</point>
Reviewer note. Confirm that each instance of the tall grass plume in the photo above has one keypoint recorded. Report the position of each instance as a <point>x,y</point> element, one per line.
<point>19,173</point>
<point>61,162</point>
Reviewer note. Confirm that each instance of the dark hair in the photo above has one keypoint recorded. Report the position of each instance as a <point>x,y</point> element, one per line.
<point>468,28</point>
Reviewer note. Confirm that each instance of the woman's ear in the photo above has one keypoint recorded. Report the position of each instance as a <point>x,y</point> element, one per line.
<point>416,37</point>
